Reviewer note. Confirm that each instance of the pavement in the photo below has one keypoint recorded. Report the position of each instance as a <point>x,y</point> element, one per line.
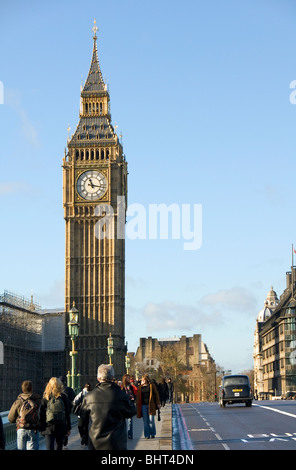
<point>162,440</point>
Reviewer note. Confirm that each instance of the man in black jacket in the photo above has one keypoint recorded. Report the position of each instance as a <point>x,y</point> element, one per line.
<point>107,407</point>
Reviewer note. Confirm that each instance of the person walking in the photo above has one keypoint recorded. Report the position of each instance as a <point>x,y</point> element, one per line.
<point>55,420</point>
<point>25,413</point>
<point>106,408</point>
<point>128,388</point>
<point>170,390</point>
<point>163,391</point>
<point>70,394</point>
<point>147,403</point>
<point>77,403</point>
<point>68,391</point>
<point>134,384</point>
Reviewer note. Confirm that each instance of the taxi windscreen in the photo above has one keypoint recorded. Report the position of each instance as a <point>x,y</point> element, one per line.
<point>236,380</point>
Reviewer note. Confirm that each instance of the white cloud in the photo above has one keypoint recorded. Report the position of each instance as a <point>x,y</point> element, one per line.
<point>28,129</point>
<point>211,311</point>
<point>172,317</point>
<point>11,187</point>
<point>236,298</point>
<point>54,297</point>
<point>273,194</point>
<point>210,316</point>
<point>134,283</point>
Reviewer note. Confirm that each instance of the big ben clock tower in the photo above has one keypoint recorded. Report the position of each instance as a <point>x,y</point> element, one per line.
<point>94,184</point>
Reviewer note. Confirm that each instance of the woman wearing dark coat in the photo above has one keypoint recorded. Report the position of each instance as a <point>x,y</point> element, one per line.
<point>147,403</point>
<point>54,432</point>
<point>163,392</point>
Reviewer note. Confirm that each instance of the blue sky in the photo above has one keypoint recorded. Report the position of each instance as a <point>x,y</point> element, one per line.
<point>201,94</point>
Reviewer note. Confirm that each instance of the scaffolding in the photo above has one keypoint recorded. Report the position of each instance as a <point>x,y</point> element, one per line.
<point>34,345</point>
<point>19,301</point>
<point>20,324</point>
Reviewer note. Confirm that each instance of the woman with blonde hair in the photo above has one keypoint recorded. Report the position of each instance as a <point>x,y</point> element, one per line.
<point>55,415</point>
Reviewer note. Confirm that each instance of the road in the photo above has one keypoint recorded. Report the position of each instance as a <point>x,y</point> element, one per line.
<point>267,425</point>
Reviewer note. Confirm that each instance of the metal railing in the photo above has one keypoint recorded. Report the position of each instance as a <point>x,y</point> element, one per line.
<point>10,430</point>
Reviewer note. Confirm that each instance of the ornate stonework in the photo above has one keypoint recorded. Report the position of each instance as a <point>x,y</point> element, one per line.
<point>94,175</point>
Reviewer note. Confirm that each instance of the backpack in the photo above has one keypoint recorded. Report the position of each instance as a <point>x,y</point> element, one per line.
<point>29,413</point>
<point>55,411</point>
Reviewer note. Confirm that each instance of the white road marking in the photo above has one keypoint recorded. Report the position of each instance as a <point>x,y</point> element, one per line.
<point>276,411</point>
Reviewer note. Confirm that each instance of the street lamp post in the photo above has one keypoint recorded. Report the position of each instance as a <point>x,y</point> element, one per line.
<point>73,326</point>
<point>110,348</point>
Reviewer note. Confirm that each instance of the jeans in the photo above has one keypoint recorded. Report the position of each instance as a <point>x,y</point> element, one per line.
<point>149,423</point>
<point>27,439</point>
<point>54,441</point>
<point>130,428</point>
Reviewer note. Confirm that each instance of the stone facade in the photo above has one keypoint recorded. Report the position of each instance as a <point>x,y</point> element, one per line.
<point>197,367</point>
<point>269,306</point>
<point>94,175</point>
<point>275,345</point>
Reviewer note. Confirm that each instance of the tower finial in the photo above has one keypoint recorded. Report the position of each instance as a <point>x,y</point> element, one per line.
<point>68,129</point>
<point>95,29</point>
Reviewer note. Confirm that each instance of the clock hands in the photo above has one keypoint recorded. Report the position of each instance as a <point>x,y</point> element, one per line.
<point>93,185</point>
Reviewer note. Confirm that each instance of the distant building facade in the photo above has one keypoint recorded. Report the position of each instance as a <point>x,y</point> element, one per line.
<point>275,343</point>
<point>33,342</point>
<point>269,306</point>
<point>198,367</point>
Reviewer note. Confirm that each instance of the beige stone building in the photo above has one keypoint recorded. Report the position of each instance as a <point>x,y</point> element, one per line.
<point>275,343</point>
<point>94,200</point>
<point>269,306</point>
<point>196,366</point>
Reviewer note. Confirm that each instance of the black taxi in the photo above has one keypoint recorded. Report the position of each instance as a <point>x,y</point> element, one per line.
<point>235,389</point>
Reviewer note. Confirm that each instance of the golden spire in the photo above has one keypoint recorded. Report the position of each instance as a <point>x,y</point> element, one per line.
<point>95,29</point>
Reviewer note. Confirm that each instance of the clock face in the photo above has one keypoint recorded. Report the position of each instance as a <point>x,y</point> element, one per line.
<point>91,185</point>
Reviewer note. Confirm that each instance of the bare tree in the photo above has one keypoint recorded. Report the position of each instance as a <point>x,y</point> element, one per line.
<point>169,363</point>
